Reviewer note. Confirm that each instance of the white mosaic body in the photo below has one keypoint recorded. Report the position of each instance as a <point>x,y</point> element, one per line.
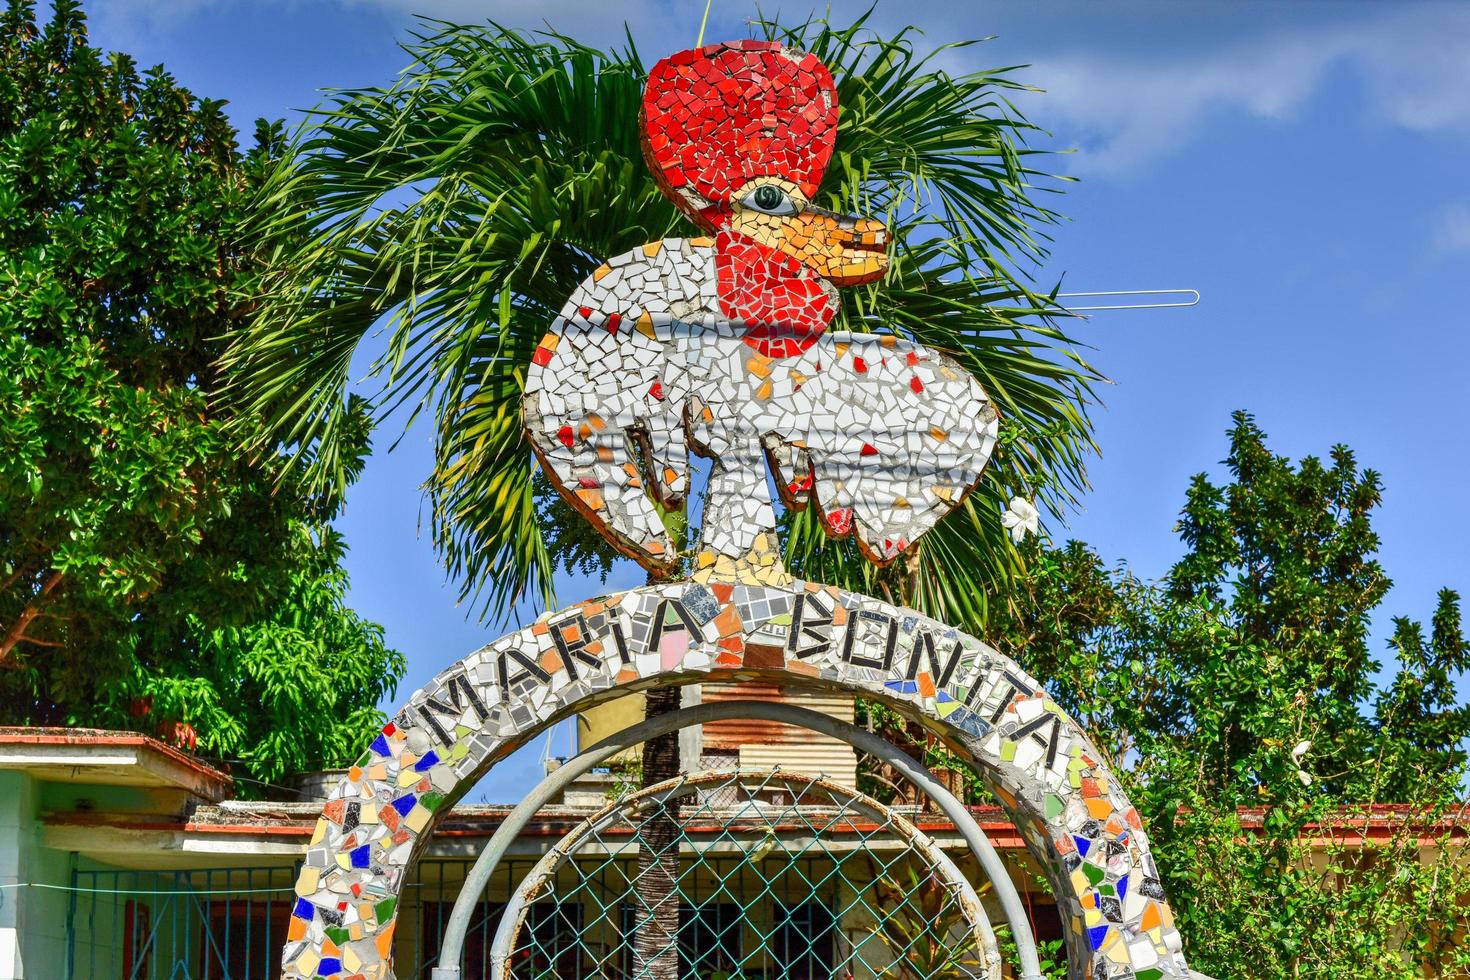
<point>892,431</point>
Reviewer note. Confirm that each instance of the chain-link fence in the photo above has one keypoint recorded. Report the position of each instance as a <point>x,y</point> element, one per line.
<point>779,875</point>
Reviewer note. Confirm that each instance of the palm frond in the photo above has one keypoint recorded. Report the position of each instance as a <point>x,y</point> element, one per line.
<point>456,210</point>
<point>945,158</point>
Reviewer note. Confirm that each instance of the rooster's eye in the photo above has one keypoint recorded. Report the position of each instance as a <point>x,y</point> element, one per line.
<point>770,199</point>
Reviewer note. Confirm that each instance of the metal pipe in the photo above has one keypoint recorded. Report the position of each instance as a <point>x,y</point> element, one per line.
<point>451,950</point>
<point>513,917</point>
<point>1192,300</point>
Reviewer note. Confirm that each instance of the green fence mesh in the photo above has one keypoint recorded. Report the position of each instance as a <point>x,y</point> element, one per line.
<point>778,875</point>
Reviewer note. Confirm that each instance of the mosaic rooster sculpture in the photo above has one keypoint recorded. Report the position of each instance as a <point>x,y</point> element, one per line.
<point>720,345</point>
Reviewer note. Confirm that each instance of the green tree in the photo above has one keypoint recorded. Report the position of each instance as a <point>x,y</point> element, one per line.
<point>1300,803</point>
<point>150,576</point>
<point>1304,806</point>
<point>1282,559</point>
<point>1421,722</point>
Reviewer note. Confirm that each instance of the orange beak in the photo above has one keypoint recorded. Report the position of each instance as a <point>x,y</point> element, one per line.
<point>844,250</point>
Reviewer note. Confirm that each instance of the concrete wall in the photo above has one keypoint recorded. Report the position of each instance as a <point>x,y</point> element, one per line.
<point>32,920</point>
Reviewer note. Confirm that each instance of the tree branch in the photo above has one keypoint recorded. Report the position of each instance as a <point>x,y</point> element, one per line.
<point>22,569</point>
<point>40,643</point>
<point>17,631</point>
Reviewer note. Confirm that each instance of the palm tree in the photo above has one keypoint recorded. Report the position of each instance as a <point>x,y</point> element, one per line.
<point>457,210</point>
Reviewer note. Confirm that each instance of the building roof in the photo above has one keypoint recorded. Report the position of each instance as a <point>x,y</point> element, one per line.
<point>269,831</point>
<point>254,832</point>
<point>108,758</point>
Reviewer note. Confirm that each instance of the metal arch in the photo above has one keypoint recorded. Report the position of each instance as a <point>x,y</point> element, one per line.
<point>513,918</point>
<point>452,948</point>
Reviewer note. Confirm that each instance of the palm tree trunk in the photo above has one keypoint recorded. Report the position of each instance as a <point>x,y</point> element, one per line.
<point>656,926</point>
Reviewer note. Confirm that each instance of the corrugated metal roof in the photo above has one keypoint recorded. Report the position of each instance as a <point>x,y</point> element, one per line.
<point>767,743</point>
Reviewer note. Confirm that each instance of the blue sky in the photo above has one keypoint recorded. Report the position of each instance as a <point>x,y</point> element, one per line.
<point>1302,165</point>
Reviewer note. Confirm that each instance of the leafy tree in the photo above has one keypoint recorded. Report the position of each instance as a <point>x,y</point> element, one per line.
<point>1304,807</point>
<point>1284,712</point>
<point>1300,804</point>
<point>1421,722</point>
<point>149,575</point>
<point>1282,558</point>
<point>255,680</point>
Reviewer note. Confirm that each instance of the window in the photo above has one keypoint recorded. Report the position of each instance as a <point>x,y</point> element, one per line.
<point>710,941</point>
<point>549,945</point>
<point>477,937</point>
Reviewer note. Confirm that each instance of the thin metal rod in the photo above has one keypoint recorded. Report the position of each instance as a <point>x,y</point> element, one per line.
<point>1193,300</point>
<point>452,947</point>
<point>703,23</point>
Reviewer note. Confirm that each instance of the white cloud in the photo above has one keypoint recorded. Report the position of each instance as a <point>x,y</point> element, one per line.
<point>1452,227</point>
<point>1122,105</point>
<point>591,20</point>
<point>130,20</point>
<point>1126,110</point>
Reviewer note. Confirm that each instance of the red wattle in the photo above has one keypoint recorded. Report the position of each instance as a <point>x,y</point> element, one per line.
<point>780,301</point>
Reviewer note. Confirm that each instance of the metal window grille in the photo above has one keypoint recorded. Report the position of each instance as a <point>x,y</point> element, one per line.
<point>230,923</point>
<point>216,924</point>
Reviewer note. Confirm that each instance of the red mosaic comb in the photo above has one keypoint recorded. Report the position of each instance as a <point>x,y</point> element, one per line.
<point>719,115</point>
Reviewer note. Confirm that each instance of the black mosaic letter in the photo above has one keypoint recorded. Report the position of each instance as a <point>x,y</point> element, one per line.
<point>529,668</point>
<point>924,644</point>
<point>809,621</point>
<point>1014,685</point>
<point>890,640</point>
<point>576,650</point>
<point>1033,729</point>
<point>656,633</point>
<point>461,692</point>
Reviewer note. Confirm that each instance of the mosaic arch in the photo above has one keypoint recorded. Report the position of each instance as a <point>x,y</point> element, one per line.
<point>720,346</point>
<point>1072,813</point>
